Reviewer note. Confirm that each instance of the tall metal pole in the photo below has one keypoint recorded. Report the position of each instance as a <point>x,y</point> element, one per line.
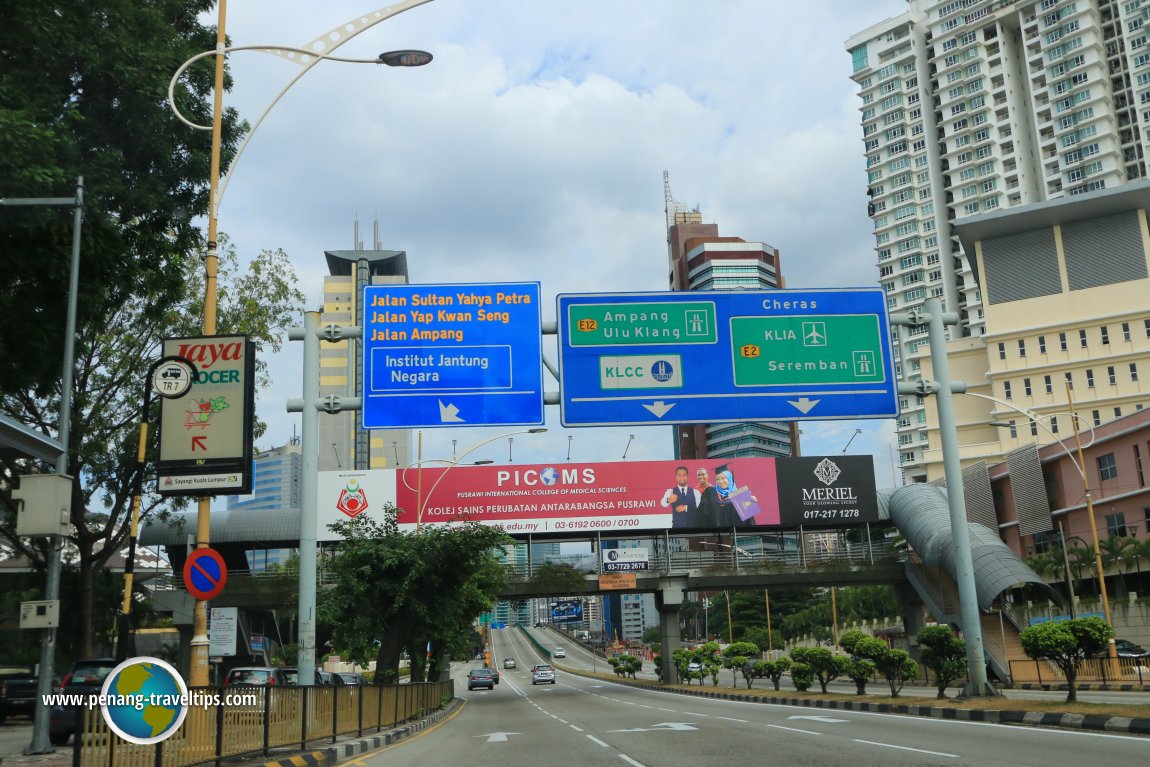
<point>770,639</point>
<point>199,662</point>
<point>956,502</point>
<point>309,486</point>
<point>40,743</point>
<point>1066,567</point>
<point>1093,527</point>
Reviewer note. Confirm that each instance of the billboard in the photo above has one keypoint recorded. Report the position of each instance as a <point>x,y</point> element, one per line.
<point>576,498</point>
<point>567,611</point>
<point>206,436</point>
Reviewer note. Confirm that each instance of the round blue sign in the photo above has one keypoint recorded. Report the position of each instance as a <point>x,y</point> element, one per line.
<point>205,574</point>
<point>662,371</point>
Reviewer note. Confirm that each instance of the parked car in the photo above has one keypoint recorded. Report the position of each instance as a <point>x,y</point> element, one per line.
<point>1127,649</point>
<point>18,690</point>
<point>542,674</point>
<point>508,663</point>
<point>347,677</point>
<point>260,675</point>
<point>559,653</point>
<point>85,677</point>
<point>480,677</point>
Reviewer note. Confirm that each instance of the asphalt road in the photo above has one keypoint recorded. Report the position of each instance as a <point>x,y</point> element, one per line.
<point>15,736</point>
<point>579,721</point>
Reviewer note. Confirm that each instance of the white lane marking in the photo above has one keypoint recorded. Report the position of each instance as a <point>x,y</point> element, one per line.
<point>576,729</point>
<point>692,713</point>
<point>593,739</point>
<point>497,737</point>
<point>630,761</point>
<point>905,748</point>
<point>827,719</point>
<point>732,719</point>
<point>668,709</point>
<point>562,721</point>
<point>794,729</point>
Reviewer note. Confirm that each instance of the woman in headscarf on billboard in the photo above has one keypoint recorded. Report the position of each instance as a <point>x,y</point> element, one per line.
<point>736,505</point>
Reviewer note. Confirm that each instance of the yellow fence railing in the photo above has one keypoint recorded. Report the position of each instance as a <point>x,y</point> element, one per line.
<point>277,717</point>
<point>1129,671</point>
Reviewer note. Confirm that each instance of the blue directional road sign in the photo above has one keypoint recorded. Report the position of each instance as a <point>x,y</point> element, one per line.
<point>452,355</point>
<point>710,357</point>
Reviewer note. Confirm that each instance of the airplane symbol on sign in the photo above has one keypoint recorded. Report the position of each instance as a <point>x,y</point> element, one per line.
<point>199,442</point>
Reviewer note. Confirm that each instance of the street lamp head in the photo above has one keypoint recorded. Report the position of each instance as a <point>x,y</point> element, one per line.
<point>406,58</point>
<point>482,462</point>
<point>537,430</point>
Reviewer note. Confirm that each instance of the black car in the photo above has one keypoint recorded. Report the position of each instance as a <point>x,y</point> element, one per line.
<point>347,677</point>
<point>85,677</point>
<point>18,691</point>
<point>480,677</point>
<point>1127,649</point>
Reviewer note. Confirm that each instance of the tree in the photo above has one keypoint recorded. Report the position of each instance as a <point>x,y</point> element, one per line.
<point>1067,644</point>
<point>896,666</point>
<point>394,591</point>
<point>859,670</point>
<point>651,635</point>
<point>737,657</point>
<point>824,664</point>
<point>943,653</point>
<point>560,579</point>
<point>626,665</point>
<point>83,92</point>
<point>773,669</point>
<point>110,390</point>
<point>758,635</point>
<point>802,676</point>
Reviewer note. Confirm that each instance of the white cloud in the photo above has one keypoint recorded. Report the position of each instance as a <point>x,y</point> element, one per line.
<point>533,147</point>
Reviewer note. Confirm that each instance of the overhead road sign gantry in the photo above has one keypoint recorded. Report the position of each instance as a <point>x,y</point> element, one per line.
<point>452,355</point>
<point>729,356</point>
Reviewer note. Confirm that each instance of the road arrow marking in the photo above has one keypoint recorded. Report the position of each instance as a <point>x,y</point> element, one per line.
<point>497,737</point>
<point>804,405</point>
<point>661,727</point>
<point>199,443</point>
<point>449,414</point>
<point>659,408</point>
<point>819,718</point>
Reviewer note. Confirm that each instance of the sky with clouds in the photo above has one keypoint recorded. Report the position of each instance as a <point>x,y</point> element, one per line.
<point>533,148</point>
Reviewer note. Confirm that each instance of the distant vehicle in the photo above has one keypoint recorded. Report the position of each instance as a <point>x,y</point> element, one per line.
<point>349,678</point>
<point>263,676</point>
<point>542,674</point>
<point>508,663</point>
<point>18,690</point>
<point>1127,649</point>
<point>559,653</point>
<point>693,667</point>
<point>86,677</point>
<point>324,677</point>
<point>480,677</point>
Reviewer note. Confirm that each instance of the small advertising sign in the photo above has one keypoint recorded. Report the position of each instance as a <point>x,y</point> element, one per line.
<point>222,625</point>
<point>618,581</point>
<point>206,435</point>
<point>625,560</point>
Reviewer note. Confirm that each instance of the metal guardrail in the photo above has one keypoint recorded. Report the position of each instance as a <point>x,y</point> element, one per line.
<point>282,717</point>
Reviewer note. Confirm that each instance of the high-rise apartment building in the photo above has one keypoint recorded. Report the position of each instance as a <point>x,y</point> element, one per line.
<point>970,107</point>
<point>276,479</point>
<point>342,444</point>
<point>702,260</point>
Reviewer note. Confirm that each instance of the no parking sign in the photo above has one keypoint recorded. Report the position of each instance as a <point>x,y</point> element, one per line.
<point>205,574</point>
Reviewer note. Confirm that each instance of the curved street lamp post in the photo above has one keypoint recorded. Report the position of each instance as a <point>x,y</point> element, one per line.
<point>317,50</point>
<point>1079,463</point>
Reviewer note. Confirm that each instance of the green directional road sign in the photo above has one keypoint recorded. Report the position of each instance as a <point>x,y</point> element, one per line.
<point>642,324</point>
<point>807,349</point>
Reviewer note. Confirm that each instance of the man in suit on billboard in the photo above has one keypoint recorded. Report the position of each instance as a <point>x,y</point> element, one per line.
<point>682,500</point>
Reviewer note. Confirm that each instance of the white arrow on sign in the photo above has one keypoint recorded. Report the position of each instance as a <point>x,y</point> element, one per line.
<point>449,413</point>
<point>661,727</point>
<point>659,408</point>
<point>819,719</point>
<point>497,737</point>
<point>804,404</point>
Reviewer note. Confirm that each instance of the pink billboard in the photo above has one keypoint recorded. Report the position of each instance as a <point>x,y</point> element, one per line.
<point>591,497</point>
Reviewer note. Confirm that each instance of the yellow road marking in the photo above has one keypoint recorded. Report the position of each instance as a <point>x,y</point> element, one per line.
<point>359,762</point>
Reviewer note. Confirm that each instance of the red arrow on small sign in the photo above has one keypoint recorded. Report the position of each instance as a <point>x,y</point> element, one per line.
<point>200,442</point>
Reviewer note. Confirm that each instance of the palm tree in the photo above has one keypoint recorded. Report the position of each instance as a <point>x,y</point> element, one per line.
<point>1116,551</point>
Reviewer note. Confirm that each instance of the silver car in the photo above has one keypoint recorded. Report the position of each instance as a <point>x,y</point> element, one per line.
<point>542,674</point>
